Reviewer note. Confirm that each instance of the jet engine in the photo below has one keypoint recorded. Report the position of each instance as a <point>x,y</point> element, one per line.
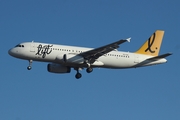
<point>56,68</point>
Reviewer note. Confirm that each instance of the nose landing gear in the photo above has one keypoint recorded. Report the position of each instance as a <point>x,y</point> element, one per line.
<point>30,65</point>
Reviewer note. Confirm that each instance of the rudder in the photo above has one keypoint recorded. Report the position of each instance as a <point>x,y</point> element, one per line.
<point>152,45</point>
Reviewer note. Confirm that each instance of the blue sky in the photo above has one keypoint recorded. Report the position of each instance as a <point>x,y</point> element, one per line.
<point>149,93</point>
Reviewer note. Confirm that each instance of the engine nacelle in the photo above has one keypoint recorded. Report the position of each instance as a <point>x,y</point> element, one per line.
<point>56,68</point>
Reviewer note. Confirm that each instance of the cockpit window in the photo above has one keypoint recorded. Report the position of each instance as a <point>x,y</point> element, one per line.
<point>19,45</point>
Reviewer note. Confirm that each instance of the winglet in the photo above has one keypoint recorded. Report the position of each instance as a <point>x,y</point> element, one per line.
<point>128,39</point>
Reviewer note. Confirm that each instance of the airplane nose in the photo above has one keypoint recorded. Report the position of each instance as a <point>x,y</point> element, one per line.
<point>10,52</point>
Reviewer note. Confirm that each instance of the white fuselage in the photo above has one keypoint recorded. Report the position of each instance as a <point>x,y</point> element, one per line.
<point>54,53</point>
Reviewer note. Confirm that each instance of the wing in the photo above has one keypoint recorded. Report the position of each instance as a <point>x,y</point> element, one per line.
<point>94,54</point>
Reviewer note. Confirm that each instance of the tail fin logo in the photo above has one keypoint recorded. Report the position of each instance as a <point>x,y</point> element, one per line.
<point>150,43</point>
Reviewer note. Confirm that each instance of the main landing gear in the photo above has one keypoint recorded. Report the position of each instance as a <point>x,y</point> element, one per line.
<point>89,70</point>
<point>79,75</point>
<point>30,65</point>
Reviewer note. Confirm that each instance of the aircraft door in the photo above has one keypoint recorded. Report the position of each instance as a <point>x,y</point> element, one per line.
<point>136,58</point>
<point>32,47</point>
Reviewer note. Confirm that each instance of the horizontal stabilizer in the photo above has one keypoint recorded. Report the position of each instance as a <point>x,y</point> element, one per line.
<point>160,56</point>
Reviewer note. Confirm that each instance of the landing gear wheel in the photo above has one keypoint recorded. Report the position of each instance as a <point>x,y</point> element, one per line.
<point>78,75</point>
<point>89,70</point>
<point>29,67</point>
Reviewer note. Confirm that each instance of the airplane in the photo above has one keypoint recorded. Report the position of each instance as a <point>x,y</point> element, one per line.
<point>62,58</point>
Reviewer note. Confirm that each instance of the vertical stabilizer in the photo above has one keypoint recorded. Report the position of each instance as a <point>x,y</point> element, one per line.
<point>152,45</point>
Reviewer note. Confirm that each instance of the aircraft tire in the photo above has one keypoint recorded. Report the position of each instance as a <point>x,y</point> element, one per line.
<point>89,70</point>
<point>78,75</point>
<point>29,67</point>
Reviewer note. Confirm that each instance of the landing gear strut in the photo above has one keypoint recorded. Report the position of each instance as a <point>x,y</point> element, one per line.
<point>30,65</point>
<point>89,69</point>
